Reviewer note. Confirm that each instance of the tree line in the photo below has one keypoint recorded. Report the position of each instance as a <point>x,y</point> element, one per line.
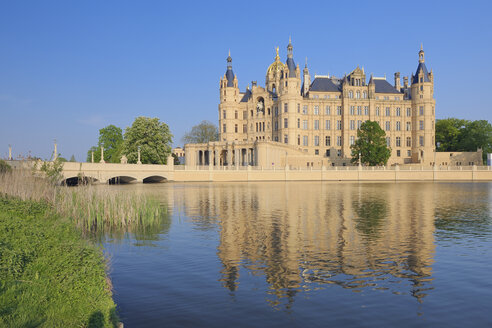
<point>149,134</point>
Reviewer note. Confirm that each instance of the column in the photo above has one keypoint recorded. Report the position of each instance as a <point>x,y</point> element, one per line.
<point>217,157</point>
<point>229,156</point>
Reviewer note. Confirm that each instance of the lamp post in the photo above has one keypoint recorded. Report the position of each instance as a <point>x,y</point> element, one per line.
<point>10,152</point>
<point>138,161</point>
<point>102,155</point>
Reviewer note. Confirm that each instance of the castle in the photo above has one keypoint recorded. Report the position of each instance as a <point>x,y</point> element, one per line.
<point>296,122</point>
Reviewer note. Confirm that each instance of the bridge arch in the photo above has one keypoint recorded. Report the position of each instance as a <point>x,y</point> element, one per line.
<point>78,180</point>
<point>154,179</point>
<point>121,180</point>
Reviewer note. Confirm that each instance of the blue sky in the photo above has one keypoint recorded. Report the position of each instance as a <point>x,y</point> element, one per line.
<point>69,68</point>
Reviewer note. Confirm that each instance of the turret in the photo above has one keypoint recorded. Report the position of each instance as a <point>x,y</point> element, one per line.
<point>228,83</point>
<point>306,80</point>
<point>229,98</point>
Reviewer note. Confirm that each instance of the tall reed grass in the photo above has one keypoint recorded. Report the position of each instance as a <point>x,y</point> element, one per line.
<point>91,208</point>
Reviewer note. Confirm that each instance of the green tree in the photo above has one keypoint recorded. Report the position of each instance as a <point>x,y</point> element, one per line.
<point>153,137</point>
<point>371,145</point>
<point>53,170</point>
<point>202,133</point>
<point>97,154</point>
<point>449,134</point>
<point>111,139</point>
<point>72,159</point>
<point>477,134</point>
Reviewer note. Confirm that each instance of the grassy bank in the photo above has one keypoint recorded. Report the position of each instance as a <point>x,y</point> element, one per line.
<point>89,207</point>
<point>49,275</point>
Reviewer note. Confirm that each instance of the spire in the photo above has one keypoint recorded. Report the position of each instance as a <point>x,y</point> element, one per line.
<point>229,74</point>
<point>290,60</point>
<point>421,68</point>
<point>421,54</point>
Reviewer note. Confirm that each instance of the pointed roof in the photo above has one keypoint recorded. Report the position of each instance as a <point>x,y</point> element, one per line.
<point>229,73</point>
<point>291,66</point>
<point>426,74</point>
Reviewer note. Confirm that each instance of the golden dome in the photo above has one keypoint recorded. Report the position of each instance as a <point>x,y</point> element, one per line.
<point>277,65</point>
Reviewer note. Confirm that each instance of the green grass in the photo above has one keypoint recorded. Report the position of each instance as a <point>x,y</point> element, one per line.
<point>49,275</point>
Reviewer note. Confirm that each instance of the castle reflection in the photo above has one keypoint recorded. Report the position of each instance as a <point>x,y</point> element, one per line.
<point>306,236</point>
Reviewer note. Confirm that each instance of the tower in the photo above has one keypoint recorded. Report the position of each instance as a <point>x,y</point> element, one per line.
<point>229,98</point>
<point>423,113</point>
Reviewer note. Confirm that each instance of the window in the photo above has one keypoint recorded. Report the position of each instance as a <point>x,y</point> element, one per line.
<point>298,108</point>
<point>352,140</point>
<point>304,140</point>
<point>388,141</point>
<point>352,110</point>
<point>377,111</point>
<point>388,126</point>
<point>359,123</point>
<point>298,140</point>
<point>327,153</point>
<point>364,94</point>
<point>398,142</point>
<point>339,152</point>
<point>327,141</point>
<point>276,111</point>
<point>339,125</point>
<point>298,123</point>
<point>339,110</point>
<point>305,125</point>
<point>421,110</point>
<point>316,110</point>
<point>359,110</point>
<point>316,124</point>
<point>286,107</point>
<point>421,141</point>
<point>388,112</point>
<point>339,140</point>
<point>421,125</point>
<point>409,142</point>
<point>327,125</point>
<point>235,114</point>
<point>245,128</point>
<point>316,140</point>
<point>409,153</point>
<point>398,153</point>
<point>316,152</point>
<point>286,138</point>
<point>352,125</point>
<point>235,128</point>
<point>409,112</point>
<point>327,110</point>
<point>409,126</point>
<point>305,109</point>
<point>276,125</point>
<point>357,95</point>
<point>223,114</point>
<point>366,110</point>
<point>397,111</point>
<point>256,126</point>
<point>351,94</point>
<point>286,123</point>
<point>398,126</point>
<point>245,115</point>
<point>223,128</point>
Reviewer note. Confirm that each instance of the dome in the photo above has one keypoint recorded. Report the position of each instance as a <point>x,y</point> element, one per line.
<point>277,65</point>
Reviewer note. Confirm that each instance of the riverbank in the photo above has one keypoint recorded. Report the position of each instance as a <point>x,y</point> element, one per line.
<point>50,276</point>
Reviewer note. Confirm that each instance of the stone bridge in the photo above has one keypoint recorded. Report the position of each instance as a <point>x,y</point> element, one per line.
<point>110,173</point>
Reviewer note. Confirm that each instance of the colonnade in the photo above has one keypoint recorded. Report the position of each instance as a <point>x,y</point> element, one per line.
<point>218,155</point>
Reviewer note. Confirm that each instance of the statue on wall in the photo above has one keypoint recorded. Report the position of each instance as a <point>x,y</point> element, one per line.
<point>124,160</point>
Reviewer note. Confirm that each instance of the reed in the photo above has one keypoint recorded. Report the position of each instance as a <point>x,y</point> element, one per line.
<point>91,208</point>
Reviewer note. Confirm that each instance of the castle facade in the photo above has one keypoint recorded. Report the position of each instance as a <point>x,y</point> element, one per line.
<point>298,121</point>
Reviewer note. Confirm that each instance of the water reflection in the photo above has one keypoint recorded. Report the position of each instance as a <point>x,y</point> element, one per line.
<point>307,236</point>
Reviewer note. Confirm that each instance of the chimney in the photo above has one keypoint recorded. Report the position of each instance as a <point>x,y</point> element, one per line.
<point>405,82</point>
<point>397,81</point>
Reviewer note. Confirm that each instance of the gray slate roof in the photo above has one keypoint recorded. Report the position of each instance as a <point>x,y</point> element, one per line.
<point>292,67</point>
<point>426,74</point>
<point>230,77</point>
<point>246,96</point>
<point>382,86</point>
<point>324,84</point>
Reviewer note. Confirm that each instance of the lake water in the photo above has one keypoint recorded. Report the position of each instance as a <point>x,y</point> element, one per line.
<point>304,254</point>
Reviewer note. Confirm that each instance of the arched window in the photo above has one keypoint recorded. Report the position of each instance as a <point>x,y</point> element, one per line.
<point>351,94</point>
